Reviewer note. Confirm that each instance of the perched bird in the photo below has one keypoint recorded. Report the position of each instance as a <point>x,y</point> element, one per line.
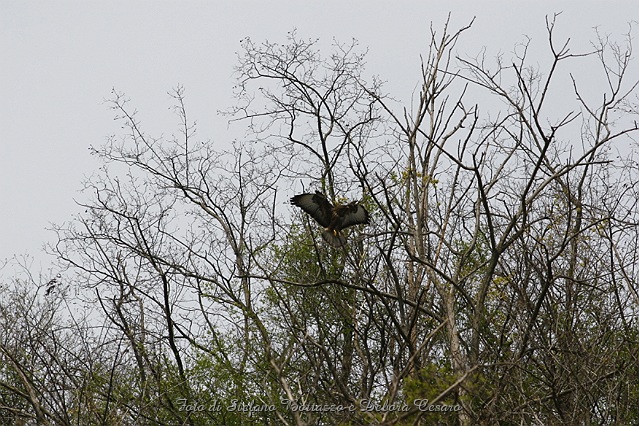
<point>51,285</point>
<point>332,218</point>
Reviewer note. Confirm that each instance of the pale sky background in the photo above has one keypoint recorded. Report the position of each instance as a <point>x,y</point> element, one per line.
<point>59,61</point>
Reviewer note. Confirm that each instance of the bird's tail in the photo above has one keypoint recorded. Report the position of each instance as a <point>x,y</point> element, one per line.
<point>334,238</point>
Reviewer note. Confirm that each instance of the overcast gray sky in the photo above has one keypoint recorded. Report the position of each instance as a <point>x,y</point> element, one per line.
<point>59,60</point>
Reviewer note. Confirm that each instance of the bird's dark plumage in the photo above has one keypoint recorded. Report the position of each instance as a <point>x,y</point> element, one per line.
<point>332,218</point>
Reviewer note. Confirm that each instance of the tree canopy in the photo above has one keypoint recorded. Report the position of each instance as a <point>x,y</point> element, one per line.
<point>495,283</point>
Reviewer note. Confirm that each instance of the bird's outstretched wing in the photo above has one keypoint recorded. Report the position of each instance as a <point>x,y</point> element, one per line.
<point>316,205</point>
<point>351,214</point>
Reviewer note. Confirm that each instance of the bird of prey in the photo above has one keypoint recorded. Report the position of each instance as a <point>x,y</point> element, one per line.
<point>332,218</point>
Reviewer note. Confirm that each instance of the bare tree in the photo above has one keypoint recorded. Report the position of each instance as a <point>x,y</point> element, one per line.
<point>52,362</point>
<point>496,282</point>
<point>488,255</point>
